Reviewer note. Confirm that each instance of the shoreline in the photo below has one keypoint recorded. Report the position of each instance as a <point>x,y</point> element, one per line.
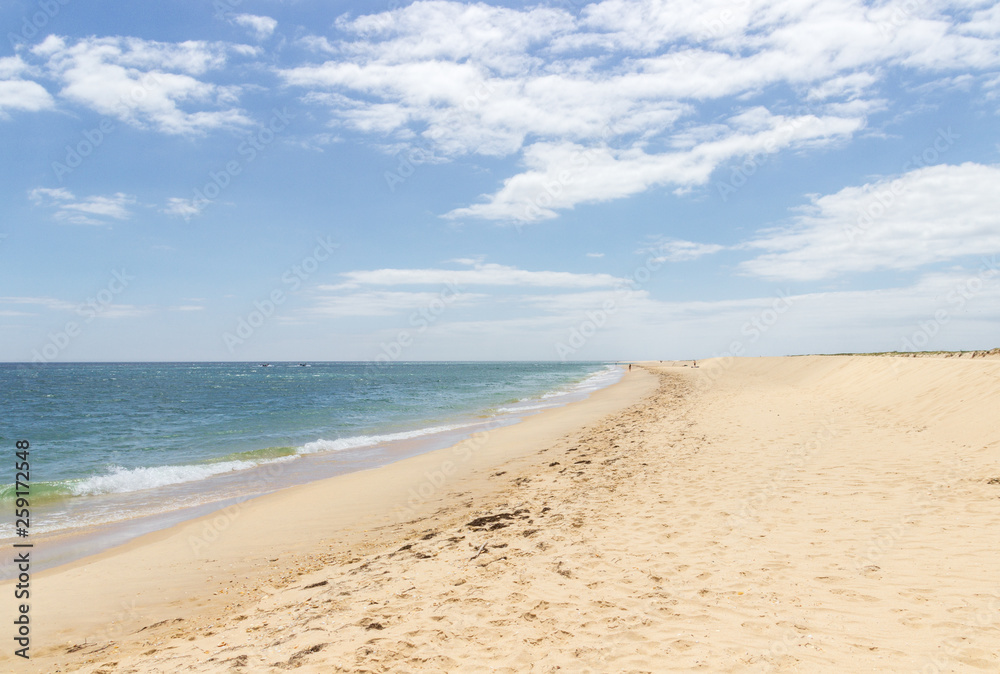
<point>812,513</point>
<point>192,499</point>
<point>158,571</point>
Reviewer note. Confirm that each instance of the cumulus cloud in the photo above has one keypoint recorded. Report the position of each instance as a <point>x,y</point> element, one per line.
<point>560,176</point>
<point>17,93</point>
<point>262,27</point>
<point>92,210</point>
<point>143,82</point>
<point>603,104</point>
<point>927,215</point>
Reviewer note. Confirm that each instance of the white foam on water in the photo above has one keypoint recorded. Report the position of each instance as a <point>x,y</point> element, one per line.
<point>598,380</point>
<point>370,440</point>
<point>120,480</point>
<point>524,408</point>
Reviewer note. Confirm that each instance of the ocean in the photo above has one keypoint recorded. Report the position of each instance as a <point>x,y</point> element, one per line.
<point>126,442</point>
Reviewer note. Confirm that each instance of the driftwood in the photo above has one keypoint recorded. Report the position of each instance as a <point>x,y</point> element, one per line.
<point>478,552</point>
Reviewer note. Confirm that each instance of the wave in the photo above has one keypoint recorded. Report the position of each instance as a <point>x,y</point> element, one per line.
<point>40,492</point>
<point>119,479</point>
<point>370,440</point>
<point>258,455</point>
<point>122,480</point>
<point>524,408</point>
<point>609,374</point>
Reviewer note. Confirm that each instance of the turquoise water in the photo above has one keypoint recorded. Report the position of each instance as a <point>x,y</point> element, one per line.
<point>111,441</point>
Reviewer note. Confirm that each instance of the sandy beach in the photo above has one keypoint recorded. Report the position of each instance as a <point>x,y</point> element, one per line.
<point>818,513</point>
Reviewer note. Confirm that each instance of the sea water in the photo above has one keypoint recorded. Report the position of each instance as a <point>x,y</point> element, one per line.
<point>113,442</point>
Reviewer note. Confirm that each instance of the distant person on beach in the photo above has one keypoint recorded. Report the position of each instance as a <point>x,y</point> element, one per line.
<point>630,367</point>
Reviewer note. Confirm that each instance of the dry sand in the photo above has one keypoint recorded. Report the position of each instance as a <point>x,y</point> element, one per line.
<point>796,514</point>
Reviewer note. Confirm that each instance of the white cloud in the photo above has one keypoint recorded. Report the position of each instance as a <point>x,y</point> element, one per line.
<point>954,310</point>
<point>356,297</point>
<point>43,194</point>
<point>143,82</point>
<point>933,214</point>
<point>53,304</point>
<point>92,210</point>
<point>482,274</point>
<point>318,43</point>
<point>622,82</point>
<point>385,303</point>
<point>677,250</point>
<point>13,66</point>
<point>849,86</point>
<point>46,302</point>
<point>262,27</point>
<point>559,176</point>
<point>123,311</point>
<point>597,255</point>
<point>185,208</point>
<point>20,94</point>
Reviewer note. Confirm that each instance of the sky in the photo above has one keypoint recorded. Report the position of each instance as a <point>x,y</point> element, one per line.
<point>434,180</point>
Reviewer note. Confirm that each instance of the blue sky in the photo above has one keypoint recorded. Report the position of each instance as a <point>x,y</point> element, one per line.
<point>443,180</point>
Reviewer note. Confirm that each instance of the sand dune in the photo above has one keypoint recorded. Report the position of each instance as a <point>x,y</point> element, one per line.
<point>794,514</point>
